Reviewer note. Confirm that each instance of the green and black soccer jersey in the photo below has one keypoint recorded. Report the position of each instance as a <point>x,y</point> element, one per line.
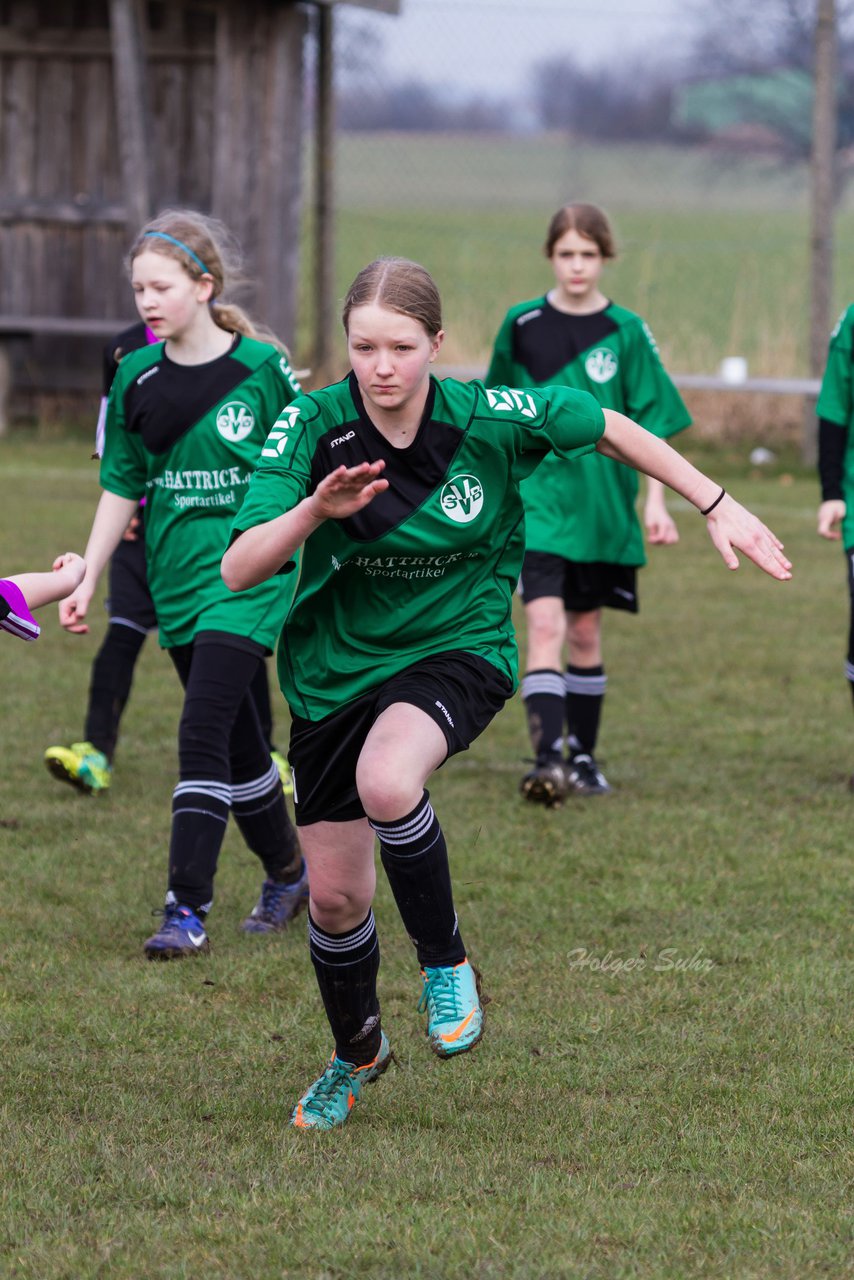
<point>836,408</point>
<point>586,511</point>
<point>187,438</point>
<point>430,565</point>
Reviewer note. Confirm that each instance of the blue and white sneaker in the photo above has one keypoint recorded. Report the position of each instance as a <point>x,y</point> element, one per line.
<point>180,934</point>
<point>278,905</point>
<point>451,1000</point>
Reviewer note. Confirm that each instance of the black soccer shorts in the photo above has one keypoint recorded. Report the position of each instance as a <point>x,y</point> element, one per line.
<point>582,586</point>
<point>460,691</point>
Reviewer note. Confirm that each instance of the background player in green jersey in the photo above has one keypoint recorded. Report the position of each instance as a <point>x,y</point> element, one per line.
<point>87,765</point>
<point>583,539</point>
<point>835,411</point>
<point>403,494</point>
<point>186,419</point>
<point>27,591</point>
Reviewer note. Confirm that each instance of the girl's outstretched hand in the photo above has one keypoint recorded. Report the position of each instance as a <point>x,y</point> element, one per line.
<point>346,490</point>
<point>733,528</point>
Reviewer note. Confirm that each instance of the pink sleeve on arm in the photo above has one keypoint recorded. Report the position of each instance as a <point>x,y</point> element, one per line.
<point>14,614</point>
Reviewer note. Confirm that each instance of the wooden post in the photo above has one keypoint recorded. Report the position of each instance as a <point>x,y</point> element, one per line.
<point>324,200</point>
<point>130,91</point>
<point>258,148</point>
<point>823,191</point>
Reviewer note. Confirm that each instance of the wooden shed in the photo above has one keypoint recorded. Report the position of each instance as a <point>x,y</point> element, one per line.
<point>113,109</point>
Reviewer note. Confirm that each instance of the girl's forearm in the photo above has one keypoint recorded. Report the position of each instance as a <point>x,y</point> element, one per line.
<point>112,517</point>
<point>260,552</point>
<point>42,588</point>
<point>626,442</point>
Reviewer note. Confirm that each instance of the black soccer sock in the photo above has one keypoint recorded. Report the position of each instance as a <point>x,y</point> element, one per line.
<point>346,965</point>
<point>199,817</point>
<point>415,858</point>
<point>849,672</point>
<point>543,695</point>
<point>261,814</point>
<point>585,693</point>
<point>110,685</point>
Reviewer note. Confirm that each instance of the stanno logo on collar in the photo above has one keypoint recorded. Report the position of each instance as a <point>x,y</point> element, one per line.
<point>601,365</point>
<point>234,421</point>
<point>462,499</point>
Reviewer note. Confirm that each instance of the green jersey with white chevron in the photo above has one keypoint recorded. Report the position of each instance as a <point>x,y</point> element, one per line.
<point>187,438</point>
<point>836,404</point>
<point>430,565</point>
<point>585,511</point>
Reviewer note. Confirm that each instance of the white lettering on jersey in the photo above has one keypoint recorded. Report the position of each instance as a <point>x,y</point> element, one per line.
<point>342,439</point>
<point>529,315</point>
<point>462,499</point>
<point>601,364</point>
<point>149,373</point>
<point>288,374</point>
<point>509,401</point>
<point>234,421</point>
<point>650,339</point>
<point>277,440</point>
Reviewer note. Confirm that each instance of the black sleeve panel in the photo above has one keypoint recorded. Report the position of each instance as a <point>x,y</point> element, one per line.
<point>832,443</point>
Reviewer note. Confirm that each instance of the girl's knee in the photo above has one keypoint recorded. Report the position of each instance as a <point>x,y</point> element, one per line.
<point>384,794</point>
<point>338,909</point>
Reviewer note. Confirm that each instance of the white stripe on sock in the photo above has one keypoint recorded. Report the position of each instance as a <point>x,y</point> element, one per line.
<point>550,682</point>
<point>205,787</point>
<point>257,787</point>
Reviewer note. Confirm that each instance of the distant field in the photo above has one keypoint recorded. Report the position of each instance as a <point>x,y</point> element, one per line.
<point>714,252</point>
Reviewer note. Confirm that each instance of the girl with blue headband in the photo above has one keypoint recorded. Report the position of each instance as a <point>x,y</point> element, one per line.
<point>187,417</point>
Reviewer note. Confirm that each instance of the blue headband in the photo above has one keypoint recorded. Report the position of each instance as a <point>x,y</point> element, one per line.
<point>161,235</point>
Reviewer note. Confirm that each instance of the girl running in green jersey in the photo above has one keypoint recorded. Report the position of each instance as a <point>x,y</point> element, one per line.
<point>186,419</point>
<point>835,409</point>
<point>584,542</point>
<point>399,496</point>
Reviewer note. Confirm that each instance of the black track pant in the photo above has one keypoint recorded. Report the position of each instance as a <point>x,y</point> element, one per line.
<point>225,766</point>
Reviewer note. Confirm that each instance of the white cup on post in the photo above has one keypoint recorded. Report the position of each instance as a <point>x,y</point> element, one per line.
<point>733,369</point>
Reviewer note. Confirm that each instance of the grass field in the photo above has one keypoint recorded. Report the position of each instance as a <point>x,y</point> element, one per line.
<point>663,1091</point>
<point>714,252</point>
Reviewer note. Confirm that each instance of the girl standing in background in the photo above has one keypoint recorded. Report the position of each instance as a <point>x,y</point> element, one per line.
<point>583,540</point>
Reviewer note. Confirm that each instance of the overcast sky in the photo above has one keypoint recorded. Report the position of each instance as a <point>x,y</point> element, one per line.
<point>495,41</point>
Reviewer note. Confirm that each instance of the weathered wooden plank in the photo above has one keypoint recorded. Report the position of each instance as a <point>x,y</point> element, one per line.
<point>168,157</point>
<point>257,170</point>
<point>20,126</point>
<point>131,94</point>
<point>89,44</point>
<point>197,178</point>
<point>324,198</point>
<point>60,211</point>
<point>76,326</point>
<point>280,188</point>
<point>382,6</point>
<point>97,160</point>
<point>53,177</point>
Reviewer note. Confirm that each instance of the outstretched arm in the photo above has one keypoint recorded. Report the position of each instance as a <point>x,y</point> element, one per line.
<point>731,526</point>
<point>111,519</point>
<point>260,552</point>
<point>42,588</point>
